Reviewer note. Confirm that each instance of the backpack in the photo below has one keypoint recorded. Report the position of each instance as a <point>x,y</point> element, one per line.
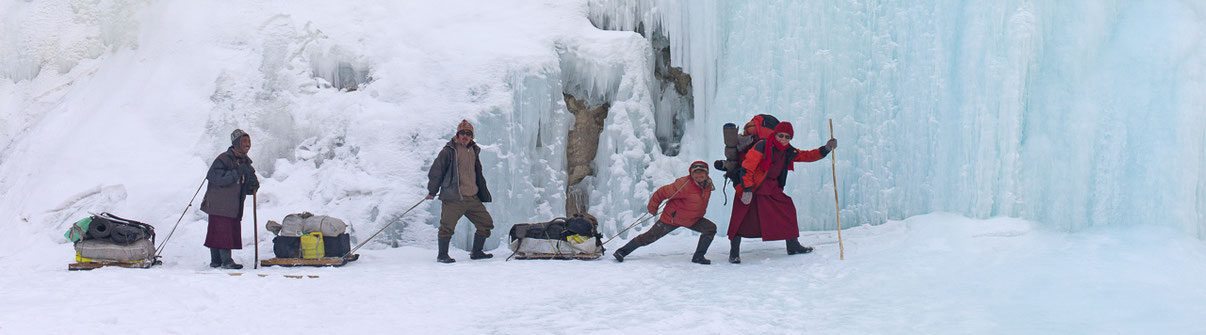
<point>735,146</point>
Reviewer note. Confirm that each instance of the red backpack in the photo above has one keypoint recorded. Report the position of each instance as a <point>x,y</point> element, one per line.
<point>735,146</point>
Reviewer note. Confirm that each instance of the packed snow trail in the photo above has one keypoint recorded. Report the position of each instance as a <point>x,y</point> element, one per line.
<point>933,274</point>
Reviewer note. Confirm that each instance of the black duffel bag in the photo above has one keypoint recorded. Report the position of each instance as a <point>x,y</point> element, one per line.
<point>337,246</point>
<point>287,246</point>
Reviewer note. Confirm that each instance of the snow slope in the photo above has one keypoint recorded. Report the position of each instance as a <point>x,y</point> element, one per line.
<point>130,122</point>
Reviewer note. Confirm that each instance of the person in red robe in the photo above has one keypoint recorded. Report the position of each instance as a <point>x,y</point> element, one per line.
<point>761,208</point>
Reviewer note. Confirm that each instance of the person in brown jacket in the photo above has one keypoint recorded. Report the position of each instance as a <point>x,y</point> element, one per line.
<point>456,174</point>
<point>231,179</point>
<point>686,202</point>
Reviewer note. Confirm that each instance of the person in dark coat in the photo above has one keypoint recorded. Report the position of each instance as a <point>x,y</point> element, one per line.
<point>686,202</point>
<point>231,179</point>
<point>456,175</point>
<point>763,210</point>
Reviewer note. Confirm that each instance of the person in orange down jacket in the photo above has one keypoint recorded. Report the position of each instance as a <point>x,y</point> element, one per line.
<point>762,209</point>
<point>686,202</point>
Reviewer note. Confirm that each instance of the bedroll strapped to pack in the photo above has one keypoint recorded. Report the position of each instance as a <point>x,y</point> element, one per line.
<point>110,228</point>
<point>298,224</point>
<point>562,238</point>
<point>94,250</point>
<point>735,145</point>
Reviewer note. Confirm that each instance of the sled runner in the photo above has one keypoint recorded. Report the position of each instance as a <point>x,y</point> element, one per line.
<point>325,261</point>
<point>100,264</point>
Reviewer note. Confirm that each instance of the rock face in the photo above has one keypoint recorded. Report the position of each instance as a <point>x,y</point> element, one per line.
<point>675,100</point>
<point>581,146</point>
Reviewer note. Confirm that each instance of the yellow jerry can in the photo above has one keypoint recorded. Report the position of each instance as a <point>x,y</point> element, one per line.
<point>311,246</point>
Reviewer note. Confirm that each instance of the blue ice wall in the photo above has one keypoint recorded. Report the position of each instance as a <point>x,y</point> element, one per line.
<point>1074,114</point>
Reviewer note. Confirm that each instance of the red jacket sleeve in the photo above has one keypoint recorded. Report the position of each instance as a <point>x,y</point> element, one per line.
<point>660,195</point>
<point>809,156</point>
<point>752,158</point>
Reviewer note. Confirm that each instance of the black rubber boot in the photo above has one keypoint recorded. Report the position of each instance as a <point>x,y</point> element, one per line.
<point>227,261</point>
<point>478,243</point>
<point>700,250</point>
<point>735,250</point>
<point>215,258</point>
<point>794,247</point>
<point>624,251</point>
<point>443,256</point>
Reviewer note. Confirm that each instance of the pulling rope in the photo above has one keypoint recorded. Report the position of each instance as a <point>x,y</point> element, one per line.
<point>383,227</point>
<point>159,250</point>
<point>642,218</point>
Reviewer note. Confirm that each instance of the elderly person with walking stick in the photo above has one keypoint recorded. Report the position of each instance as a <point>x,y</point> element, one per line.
<point>231,179</point>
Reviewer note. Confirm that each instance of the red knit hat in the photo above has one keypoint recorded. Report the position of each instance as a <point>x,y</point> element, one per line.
<point>698,165</point>
<point>464,126</point>
<point>785,127</point>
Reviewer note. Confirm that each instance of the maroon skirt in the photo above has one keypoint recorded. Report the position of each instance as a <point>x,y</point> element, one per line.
<point>224,233</point>
<point>771,216</point>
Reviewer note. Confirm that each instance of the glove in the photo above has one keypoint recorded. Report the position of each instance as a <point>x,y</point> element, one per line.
<point>832,144</point>
<point>245,171</point>
<point>251,185</point>
<point>746,197</point>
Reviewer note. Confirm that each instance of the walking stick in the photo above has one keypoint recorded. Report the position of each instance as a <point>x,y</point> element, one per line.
<point>383,228</point>
<point>255,225</point>
<point>836,208</point>
<point>680,188</point>
<point>159,250</point>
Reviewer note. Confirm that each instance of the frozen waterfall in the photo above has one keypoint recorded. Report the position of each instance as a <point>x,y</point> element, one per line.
<point>1073,115</point>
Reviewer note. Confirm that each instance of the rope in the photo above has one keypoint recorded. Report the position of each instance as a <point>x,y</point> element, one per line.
<point>659,211</point>
<point>383,228</point>
<point>159,250</point>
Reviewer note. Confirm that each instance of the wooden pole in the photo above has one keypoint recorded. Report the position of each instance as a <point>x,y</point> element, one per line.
<point>836,208</point>
<point>255,225</point>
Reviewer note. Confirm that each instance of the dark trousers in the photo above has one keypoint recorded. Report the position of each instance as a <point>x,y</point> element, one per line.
<point>451,211</point>
<point>705,227</point>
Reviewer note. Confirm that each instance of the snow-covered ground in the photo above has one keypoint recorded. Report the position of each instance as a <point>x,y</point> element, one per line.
<point>932,274</point>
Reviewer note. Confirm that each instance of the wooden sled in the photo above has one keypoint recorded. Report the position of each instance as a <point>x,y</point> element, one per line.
<point>325,261</point>
<point>100,264</point>
<point>538,255</point>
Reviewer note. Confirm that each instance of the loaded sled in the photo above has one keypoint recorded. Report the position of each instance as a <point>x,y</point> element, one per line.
<point>562,238</point>
<point>305,239</point>
<point>108,240</point>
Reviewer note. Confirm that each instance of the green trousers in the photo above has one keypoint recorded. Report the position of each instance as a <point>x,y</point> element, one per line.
<point>452,210</point>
